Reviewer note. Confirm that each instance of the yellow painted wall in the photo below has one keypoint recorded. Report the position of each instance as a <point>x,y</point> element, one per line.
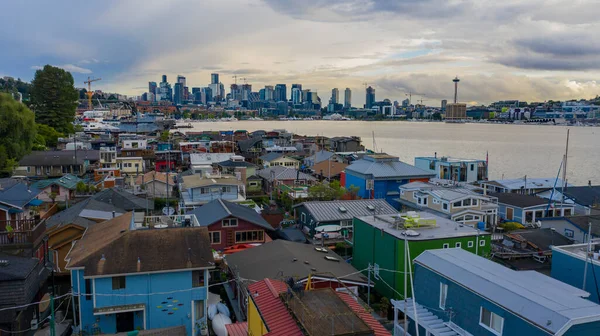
<point>256,326</point>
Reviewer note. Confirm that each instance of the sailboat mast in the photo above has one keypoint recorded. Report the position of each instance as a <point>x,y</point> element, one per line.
<point>562,197</point>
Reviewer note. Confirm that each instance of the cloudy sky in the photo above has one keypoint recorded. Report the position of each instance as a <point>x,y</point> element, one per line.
<point>531,50</point>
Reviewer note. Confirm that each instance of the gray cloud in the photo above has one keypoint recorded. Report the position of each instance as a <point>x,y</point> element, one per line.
<point>68,67</point>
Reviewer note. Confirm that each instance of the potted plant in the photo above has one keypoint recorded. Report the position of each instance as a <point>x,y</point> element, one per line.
<point>384,306</point>
<point>202,327</point>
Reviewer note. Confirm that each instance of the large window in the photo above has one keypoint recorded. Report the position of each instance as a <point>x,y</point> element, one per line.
<point>443,295</point>
<point>249,236</point>
<point>491,321</point>
<point>229,222</point>
<point>445,206</point>
<point>199,309</point>
<point>215,237</point>
<point>198,278</point>
<point>118,283</point>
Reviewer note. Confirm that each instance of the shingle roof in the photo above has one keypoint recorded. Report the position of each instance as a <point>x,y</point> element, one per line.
<point>123,199</point>
<point>265,294</point>
<point>16,193</point>
<point>219,209</point>
<point>271,156</point>
<point>327,168</point>
<point>260,262</point>
<point>542,238</point>
<point>153,176</point>
<point>58,158</point>
<point>18,268</point>
<point>283,173</point>
<point>328,211</point>
<point>68,181</point>
<point>231,163</point>
<point>535,297</point>
<point>110,248</point>
<point>387,169</point>
<point>320,156</point>
<point>519,200</point>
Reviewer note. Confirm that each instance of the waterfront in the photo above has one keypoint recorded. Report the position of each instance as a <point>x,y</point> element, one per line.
<point>514,150</point>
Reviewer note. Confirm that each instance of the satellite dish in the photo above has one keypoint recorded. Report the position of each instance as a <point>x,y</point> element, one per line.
<point>410,233</point>
<point>168,211</point>
<point>44,303</point>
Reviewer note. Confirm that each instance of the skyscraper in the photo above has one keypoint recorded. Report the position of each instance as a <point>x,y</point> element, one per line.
<point>347,98</point>
<point>269,92</point>
<point>444,103</point>
<point>335,96</point>
<point>214,78</point>
<point>280,93</point>
<point>181,79</point>
<point>236,94</point>
<point>164,78</point>
<point>370,99</point>
<point>246,90</point>
<point>152,87</point>
<point>178,94</point>
<point>208,94</point>
<point>166,93</point>
<point>297,86</point>
<point>296,95</point>
<point>262,94</point>
<point>197,95</point>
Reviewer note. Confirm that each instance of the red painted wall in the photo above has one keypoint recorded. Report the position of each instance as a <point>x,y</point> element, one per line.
<point>242,226</point>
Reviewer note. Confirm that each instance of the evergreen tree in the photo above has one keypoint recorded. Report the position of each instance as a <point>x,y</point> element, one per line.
<point>54,98</point>
<point>17,126</point>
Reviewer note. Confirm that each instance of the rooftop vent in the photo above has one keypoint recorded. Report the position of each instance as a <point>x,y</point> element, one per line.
<point>4,262</point>
<point>332,258</point>
<point>342,209</point>
<point>321,249</point>
<point>370,207</point>
<point>410,233</point>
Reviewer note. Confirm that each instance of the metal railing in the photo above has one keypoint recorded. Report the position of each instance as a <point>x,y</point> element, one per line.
<point>27,231</point>
<point>170,221</point>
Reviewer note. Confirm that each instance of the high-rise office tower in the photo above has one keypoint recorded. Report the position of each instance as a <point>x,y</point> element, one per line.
<point>305,94</point>
<point>261,94</point>
<point>164,78</point>
<point>208,94</point>
<point>181,79</point>
<point>269,92</point>
<point>236,93</point>
<point>196,95</point>
<point>246,90</point>
<point>280,93</point>
<point>152,87</point>
<point>178,94</point>
<point>296,95</point>
<point>444,103</point>
<point>214,78</point>
<point>370,99</point>
<point>347,98</point>
<point>335,96</point>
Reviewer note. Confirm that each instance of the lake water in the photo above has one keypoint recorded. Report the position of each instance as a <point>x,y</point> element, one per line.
<point>514,150</point>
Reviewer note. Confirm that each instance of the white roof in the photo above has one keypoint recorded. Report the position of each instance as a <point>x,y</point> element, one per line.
<point>531,183</point>
<point>549,303</point>
<point>209,158</point>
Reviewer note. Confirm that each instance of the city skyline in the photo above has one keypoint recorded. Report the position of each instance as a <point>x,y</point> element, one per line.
<point>531,51</point>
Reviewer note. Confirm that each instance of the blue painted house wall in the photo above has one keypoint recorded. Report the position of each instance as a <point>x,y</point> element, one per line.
<point>215,191</point>
<point>466,306</point>
<point>569,269</point>
<point>387,189</point>
<point>160,311</point>
<point>517,212</point>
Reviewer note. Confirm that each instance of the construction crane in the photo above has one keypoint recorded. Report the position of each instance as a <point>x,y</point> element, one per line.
<point>89,92</point>
<point>244,79</point>
<point>235,79</point>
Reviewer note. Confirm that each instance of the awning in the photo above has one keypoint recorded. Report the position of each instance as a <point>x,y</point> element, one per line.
<point>14,210</point>
<point>35,202</point>
<point>119,309</point>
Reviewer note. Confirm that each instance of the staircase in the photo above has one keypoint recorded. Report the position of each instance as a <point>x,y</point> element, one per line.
<point>433,324</point>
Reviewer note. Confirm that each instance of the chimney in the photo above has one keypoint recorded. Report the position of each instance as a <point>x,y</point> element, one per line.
<point>139,265</point>
<point>113,214</point>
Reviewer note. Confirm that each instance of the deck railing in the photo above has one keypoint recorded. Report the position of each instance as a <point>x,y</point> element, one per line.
<point>27,231</point>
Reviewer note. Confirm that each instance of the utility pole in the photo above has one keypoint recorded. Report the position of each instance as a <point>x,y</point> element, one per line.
<point>587,253</point>
<point>369,287</point>
<point>52,322</point>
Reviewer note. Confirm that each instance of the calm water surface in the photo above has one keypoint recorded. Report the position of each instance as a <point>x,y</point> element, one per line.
<point>514,150</point>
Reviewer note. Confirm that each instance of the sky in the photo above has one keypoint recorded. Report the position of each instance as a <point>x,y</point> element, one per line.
<point>531,50</point>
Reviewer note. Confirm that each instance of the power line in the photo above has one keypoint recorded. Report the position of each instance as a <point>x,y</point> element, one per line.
<point>33,303</point>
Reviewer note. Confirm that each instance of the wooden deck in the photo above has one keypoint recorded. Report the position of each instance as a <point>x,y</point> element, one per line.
<point>323,313</point>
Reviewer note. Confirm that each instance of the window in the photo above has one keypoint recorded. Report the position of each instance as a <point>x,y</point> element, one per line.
<point>28,169</point>
<point>249,236</point>
<point>118,283</point>
<point>436,201</point>
<point>346,223</point>
<point>443,295</point>
<point>446,245</point>
<point>482,243</point>
<point>445,206</point>
<point>88,289</point>
<point>491,321</point>
<point>215,237</point>
<point>472,167</point>
<point>467,202</point>
<point>230,222</point>
<point>458,244</point>
<point>303,217</point>
<point>567,212</point>
<point>254,184</point>
<point>569,233</point>
<point>198,278</point>
<point>457,204</point>
<point>470,244</point>
<point>401,191</point>
<point>55,189</point>
<point>459,219</point>
<point>226,189</point>
<point>474,201</point>
<point>199,309</point>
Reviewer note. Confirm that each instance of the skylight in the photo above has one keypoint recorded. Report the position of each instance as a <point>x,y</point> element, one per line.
<point>342,209</point>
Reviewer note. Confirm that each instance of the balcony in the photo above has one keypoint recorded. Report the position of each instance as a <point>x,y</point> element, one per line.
<point>24,232</point>
<point>162,222</point>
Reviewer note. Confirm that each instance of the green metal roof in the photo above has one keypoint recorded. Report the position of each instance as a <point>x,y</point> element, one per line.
<point>68,181</point>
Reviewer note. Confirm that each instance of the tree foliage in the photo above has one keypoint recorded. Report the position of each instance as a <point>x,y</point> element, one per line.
<point>49,135</point>
<point>17,127</point>
<point>326,191</point>
<point>54,98</point>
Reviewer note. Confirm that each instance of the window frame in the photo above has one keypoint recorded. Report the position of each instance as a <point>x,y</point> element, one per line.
<point>458,244</point>
<point>445,246</point>
<point>470,244</point>
<point>445,206</point>
<point>490,328</point>
<point>229,221</point>
<point>303,217</point>
<point>119,282</point>
<point>198,279</point>
<point>482,243</point>
<point>444,291</point>
<point>260,236</point>
<point>211,236</point>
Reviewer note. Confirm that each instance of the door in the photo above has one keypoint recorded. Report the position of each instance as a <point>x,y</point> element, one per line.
<point>509,213</point>
<point>125,322</point>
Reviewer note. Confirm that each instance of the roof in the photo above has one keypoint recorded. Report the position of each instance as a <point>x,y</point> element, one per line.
<point>328,211</point>
<point>233,164</point>
<point>584,195</point>
<point>265,294</point>
<point>327,168</point>
<point>582,222</point>
<point>59,158</point>
<point>542,238</point>
<point>279,255</point>
<point>539,299</point>
<point>237,329</point>
<point>68,181</point>
<point>76,215</point>
<point>519,200</point>
<point>390,168</point>
<point>123,199</point>
<point>444,228</point>
<point>520,183</point>
<point>209,158</point>
<point>378,329</point>
<point>271,156</point>
<point>15,193</point>
<point>215,211</point>
<point>245,145</point>
<point>320,156</point>
<point>195,181</point>
<point>152,176</point>
<point>111,248</point>
<point>18,268</point>
<point>284,173</point>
